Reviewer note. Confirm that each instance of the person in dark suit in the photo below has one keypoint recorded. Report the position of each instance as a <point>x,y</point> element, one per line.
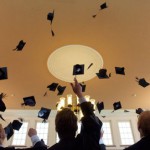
<point>66,126</point>
<point>101,143</point>
<point>144,130</point>
<point>37,143</point>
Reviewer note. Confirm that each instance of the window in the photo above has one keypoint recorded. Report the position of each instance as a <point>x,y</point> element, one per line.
<point>107,136</point>
<point>125,133</point>
<point>42,131</point>
<point>19,137</point>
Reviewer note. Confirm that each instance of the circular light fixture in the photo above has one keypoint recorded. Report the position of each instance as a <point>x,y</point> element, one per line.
<point>60,63</point>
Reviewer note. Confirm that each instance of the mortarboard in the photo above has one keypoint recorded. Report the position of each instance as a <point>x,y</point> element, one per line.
<point>2,104</point>
<point>9,131</point>
<point>52,87</point>
<point>61,89</point>
<point>20,46</point>
<point>100,106</point>
<point>142,82</point>
<point>44,113</point>
<point>3,73</point>
<point>16,124</point>
<point>50,17</point>
<point>102,6</point>
<point>117,105</point>
<point>78,69</point>
<point>30,101</point>
<point>102,74</point>
<point>120,70</point>
<point>83,87</point>
<point>139,111</point>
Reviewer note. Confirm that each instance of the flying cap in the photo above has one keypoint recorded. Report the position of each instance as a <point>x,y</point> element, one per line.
<point>102,6</point>
<point>52,87</point>
<point>30,101</point>
<point>44,113</point>
<point>142,82</point>
<point>16,124</point>
<point>50,17</point>
<point>78,69</point>
<point>3,73</point>
<point>100,106</point>
<point>61,89</point>
<point>83,87</point>
<point>139,110</point>
<point>9,131</point>
<point>2,104</point>
<point>117,105</point>
<point>120,70</point>
<point>102,74</point>
<point>20,46</point>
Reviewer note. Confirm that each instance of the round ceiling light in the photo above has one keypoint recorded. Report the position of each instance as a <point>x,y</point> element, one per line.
<point>60,63</point>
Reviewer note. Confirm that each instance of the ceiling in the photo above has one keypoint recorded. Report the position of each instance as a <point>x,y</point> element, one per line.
<point>120,33</point>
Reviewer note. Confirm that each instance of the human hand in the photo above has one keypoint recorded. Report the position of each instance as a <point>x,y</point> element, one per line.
<point>32,132</point>
<point>2,134</point>
<point>77,89</point>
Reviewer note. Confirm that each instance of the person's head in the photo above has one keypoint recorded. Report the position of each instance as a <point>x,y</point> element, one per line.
<point>66,123</point>
<point>2,134</point>
<point>144,123</point>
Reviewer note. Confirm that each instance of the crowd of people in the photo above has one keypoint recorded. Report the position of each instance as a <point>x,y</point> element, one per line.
<point>90,136</point>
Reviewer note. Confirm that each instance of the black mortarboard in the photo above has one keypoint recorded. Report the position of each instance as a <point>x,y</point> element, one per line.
<point>9,131</point>
<point>20,46</point>
<point>120,70</point>
<point>50,17</point>
<point>61,89</point>
<point>2,104</point>
<point>16,124</point>
<point>102,6</point>
<point>30,101</point>
<point>100,106</point>
<point>83,87</point>
<point>44,113</point>
<point>139,111</point>
<point>78,69</point>
<point>117,105</point>
<point>142,82</point>
<point>53,86</point>
<point>102,74</point>
<point>3,73</point>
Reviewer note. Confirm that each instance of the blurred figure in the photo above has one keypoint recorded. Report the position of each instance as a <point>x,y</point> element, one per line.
<point>101,143</point>
<point>144,130</point>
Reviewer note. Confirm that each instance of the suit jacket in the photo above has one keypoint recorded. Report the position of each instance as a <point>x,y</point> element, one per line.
<point>88,139</point>
<point>143,144</point>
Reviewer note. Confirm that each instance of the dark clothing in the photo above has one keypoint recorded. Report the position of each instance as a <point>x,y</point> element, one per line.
<point>103,146</point>
<point>143,144</point>
<point>39,145</point>
<point>88,139</point>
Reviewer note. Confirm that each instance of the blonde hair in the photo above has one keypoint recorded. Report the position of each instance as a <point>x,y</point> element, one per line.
<point>144,123</point>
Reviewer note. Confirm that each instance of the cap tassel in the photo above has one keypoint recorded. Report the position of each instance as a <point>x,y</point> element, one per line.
<point>2,117</point>
<point>52,32</point>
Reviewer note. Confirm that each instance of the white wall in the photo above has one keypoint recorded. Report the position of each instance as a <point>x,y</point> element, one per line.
<point>31,117</point>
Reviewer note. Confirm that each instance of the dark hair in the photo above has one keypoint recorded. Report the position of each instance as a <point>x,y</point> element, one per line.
<point>66,123</point>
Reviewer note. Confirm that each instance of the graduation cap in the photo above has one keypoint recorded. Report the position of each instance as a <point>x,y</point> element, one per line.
<point>117,105</point>
<point>100,106</point>
<point>3,73</point>
<point>20,46</point>
<point>102,74</point>
<point>9,130</point>
<point>78,69</point>
<point>44,113</point>
<point>30,101</point>
<point>2,104</point>
<point>139,111</point>
<point>83,87</point>
<point>50,17</point>
<point>61,89</point>
<point>52,87</point>
<point>102,6</point>
<point>142,82</point>
<point>120,70</point>
<point>16,124</point>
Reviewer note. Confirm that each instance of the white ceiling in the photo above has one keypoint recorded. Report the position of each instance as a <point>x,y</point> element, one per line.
<point>120,33</point>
